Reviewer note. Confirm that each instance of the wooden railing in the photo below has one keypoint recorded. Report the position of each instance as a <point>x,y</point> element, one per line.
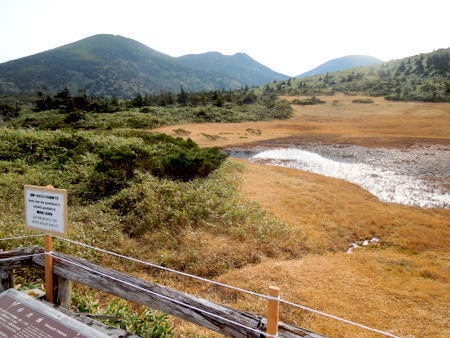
<point>225,320</point>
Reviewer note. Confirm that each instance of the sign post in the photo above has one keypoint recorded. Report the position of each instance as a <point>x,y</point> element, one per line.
<point>49,288</point>
<point>46,210</point>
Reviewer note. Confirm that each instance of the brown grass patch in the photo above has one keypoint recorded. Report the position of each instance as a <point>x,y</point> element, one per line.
<point>382,289</point>
<point>384,123</point>
<point>332,213</point>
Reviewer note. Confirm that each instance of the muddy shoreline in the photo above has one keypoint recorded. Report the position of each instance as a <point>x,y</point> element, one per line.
<point>338,140</point>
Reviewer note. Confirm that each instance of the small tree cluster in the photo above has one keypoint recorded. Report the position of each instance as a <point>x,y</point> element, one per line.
<point>216,98</point>
<point>67,103</point>
<point>8,111</point>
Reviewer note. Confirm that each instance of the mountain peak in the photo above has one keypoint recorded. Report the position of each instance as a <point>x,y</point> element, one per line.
<point>113,65</point>
<point>239,66</point>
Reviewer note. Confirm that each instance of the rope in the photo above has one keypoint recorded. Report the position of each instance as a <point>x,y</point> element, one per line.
<point>230,287</point>
<point>337,318</point>
<point>213,282</point>
<point>20,237</point>
<point>161,296</point>
<point>163,268</point>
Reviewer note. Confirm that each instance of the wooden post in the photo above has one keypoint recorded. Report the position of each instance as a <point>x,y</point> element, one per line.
<point>49,291</point>
<point>6,280</point>
<point>273,310</point>
<point>63,292</point>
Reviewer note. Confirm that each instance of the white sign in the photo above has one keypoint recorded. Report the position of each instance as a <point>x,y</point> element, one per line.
<point>46,209</point>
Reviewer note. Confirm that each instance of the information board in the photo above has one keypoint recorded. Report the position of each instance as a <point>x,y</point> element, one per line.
<point>46,209</point>
<point>21,316</point>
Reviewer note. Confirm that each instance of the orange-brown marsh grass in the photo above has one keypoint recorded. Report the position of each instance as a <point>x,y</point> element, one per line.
<point>382,123</point>
<point>401,285</point>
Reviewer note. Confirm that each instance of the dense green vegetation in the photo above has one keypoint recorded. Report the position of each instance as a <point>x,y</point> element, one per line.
<point>137,186</point>
<point>423,77</point>
<point>308,102</point>
<point>64,110</point>
<point>109,164</point>
<point>143,322</point>
<point>108,65</point>
<point>362,101</point>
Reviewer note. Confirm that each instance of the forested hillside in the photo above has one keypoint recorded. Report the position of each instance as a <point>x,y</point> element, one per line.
<point>424,77</point>
<point>342,63</point>
<point>112,65</point>
<point>239,66</point>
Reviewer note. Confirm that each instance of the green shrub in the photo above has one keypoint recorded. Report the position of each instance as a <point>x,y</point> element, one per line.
<point>152,117</point>
<point>144,322</point>
<point>310,101</point>
<point>8,111</point>
<point>114,171</point>
<point>253,131</point>
<point>158,203</point>
<point>181,131</point>
<point>362,101</point>
<point>185,164</point>
<point>40,147</point>
<point>111,163</point>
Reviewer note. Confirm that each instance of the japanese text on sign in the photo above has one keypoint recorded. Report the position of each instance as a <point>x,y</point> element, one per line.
<point>45,208</point>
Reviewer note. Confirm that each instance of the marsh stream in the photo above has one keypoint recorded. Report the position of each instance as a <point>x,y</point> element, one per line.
<point>415,176</point>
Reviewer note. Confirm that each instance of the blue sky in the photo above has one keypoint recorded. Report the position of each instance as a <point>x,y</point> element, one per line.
<point>289,36</point>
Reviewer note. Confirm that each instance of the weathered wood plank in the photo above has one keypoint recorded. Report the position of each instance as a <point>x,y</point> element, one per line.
<point>165,299</point>
<point>17,258</point>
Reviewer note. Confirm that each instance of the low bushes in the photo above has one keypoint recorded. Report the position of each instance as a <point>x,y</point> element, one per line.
<point>150,117</point>
<point>362,101</point>
<point>134,190</point>
<point>310,101</point>
<point>110,163</point>
<point>178,160</point>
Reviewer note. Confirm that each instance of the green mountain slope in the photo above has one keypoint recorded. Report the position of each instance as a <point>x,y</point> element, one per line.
<point>239,66</point>
<point>108,65</point>
<point>345,62</point>
<point>424,77</point>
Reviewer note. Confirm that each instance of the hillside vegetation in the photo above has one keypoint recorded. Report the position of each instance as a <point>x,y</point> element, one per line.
<point>64,110</point>
<point>108,65</point>
<point>423,77</point>
<point>239,66</point>
<point>171,195</point>
<point>345,62</point>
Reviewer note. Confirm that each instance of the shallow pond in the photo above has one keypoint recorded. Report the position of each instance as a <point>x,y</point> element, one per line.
<point>415,176</point>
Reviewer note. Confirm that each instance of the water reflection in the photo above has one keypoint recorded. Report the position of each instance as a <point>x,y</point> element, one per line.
<point>381,172</point>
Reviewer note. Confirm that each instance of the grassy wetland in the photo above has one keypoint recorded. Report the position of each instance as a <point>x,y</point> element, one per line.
<point>400,285</point>
<point>177,201</point>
